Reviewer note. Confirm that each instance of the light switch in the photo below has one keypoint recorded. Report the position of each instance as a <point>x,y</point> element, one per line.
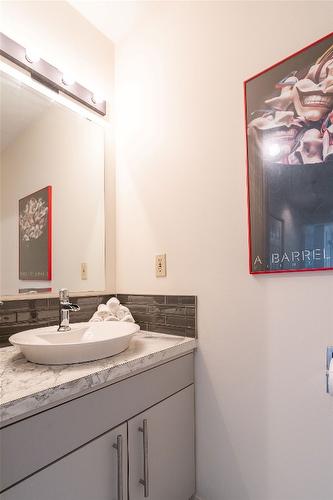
<point>84,271</point>
<point>160,266</point>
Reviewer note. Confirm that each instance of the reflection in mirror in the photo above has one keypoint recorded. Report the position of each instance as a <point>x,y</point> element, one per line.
<point>52,231</point>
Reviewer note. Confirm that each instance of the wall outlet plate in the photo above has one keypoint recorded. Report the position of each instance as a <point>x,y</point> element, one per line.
<point>160,266</point>
<point>84,271</point>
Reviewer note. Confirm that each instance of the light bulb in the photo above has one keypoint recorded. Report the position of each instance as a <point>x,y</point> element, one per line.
<point>32,55</point>
<point>68,79</point>
<point>97,98</point>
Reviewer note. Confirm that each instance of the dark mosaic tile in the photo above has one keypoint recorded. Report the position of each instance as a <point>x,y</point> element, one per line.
<point>37,316</point>
<point>191,323</point>
<point>123,297</point>
<point>148,318</point>
<point>180,321</point>
<point>82,315</point>
<point>163,309</point>
<point>104,298</point>
<point>181,300</point>
<point>24,305</point>
<point>53,303</point>
<point>51,314</point>
<point>141,299</point>
<point>54,322</point>
<point>137,309</point>
<point>28,316</point>
<point>190,311</point>
<point>7,318</point>
<point>176,320</point>
<point>86,302</point>
<point>142,325</point>
<point>191,332</point>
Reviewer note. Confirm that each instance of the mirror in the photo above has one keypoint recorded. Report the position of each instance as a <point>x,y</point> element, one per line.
<point>52,231</point>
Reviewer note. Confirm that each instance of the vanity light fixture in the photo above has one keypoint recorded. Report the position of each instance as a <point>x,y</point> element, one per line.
<point>32,55</point>
<point>97,98</point>
<point>68,79</point>
<point>50,94</point>
<point>49,76</point>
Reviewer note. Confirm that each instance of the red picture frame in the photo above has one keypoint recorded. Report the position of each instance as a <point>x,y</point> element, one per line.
<point>35,236</point>
<point>286,123</point>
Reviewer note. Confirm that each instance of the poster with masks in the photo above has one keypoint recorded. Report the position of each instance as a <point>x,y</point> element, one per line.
<point>35,233</point>
<point>289,122</point>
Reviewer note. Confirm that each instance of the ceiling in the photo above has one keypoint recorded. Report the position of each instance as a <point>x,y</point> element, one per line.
<point>114,18</point>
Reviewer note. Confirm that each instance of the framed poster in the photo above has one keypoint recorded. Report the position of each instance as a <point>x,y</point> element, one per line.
<point>289,123</point>
<point>35,236</point>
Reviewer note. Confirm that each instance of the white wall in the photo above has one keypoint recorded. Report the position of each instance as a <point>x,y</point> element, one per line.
<point>264,423</point>
<point>66,151</point>
<point>71,43</point>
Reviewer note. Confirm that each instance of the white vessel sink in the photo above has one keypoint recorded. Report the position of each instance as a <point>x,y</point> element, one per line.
<point>84,342</point>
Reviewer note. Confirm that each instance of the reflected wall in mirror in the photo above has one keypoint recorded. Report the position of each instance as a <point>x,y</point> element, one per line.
<point>45,144</point>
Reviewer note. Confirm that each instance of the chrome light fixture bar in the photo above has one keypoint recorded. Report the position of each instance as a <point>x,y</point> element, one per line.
<point>49,75</point>
<point>59,97</point>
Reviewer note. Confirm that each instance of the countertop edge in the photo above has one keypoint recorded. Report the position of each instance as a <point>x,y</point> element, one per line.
<point>20,408</point>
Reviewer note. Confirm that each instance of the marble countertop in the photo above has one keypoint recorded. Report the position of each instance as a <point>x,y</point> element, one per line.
<point>27,388</point>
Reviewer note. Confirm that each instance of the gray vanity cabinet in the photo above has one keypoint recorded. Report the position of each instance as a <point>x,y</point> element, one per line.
<point>161,450</point>
<point>131,440</point>
<point>89,473</point>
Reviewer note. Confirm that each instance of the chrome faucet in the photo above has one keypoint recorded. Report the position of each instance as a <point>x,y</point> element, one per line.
<point>64,308</point>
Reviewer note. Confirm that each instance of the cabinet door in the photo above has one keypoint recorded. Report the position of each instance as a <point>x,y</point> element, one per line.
<point>96,471</point>
<point>161,450</point>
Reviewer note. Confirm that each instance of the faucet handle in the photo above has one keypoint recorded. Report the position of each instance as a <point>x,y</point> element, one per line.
<point>63,295</point>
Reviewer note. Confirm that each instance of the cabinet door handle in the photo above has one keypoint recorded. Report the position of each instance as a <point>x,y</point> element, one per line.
<point>120,485</point>
<point>145,480</point>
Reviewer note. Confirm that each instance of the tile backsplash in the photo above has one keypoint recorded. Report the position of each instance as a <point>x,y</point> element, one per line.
<point>172,314</point>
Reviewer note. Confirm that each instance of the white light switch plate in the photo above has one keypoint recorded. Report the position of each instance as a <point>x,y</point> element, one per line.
<point>160,266</point>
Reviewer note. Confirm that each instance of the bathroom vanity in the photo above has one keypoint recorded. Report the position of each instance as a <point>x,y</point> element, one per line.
<point>118,428</point>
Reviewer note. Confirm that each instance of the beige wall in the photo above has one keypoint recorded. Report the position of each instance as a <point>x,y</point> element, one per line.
<point>68,41</point>
<point>62,149</point>
<point>264,423</point>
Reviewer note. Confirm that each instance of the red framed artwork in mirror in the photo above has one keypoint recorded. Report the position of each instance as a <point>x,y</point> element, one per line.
<point>35,236</point>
